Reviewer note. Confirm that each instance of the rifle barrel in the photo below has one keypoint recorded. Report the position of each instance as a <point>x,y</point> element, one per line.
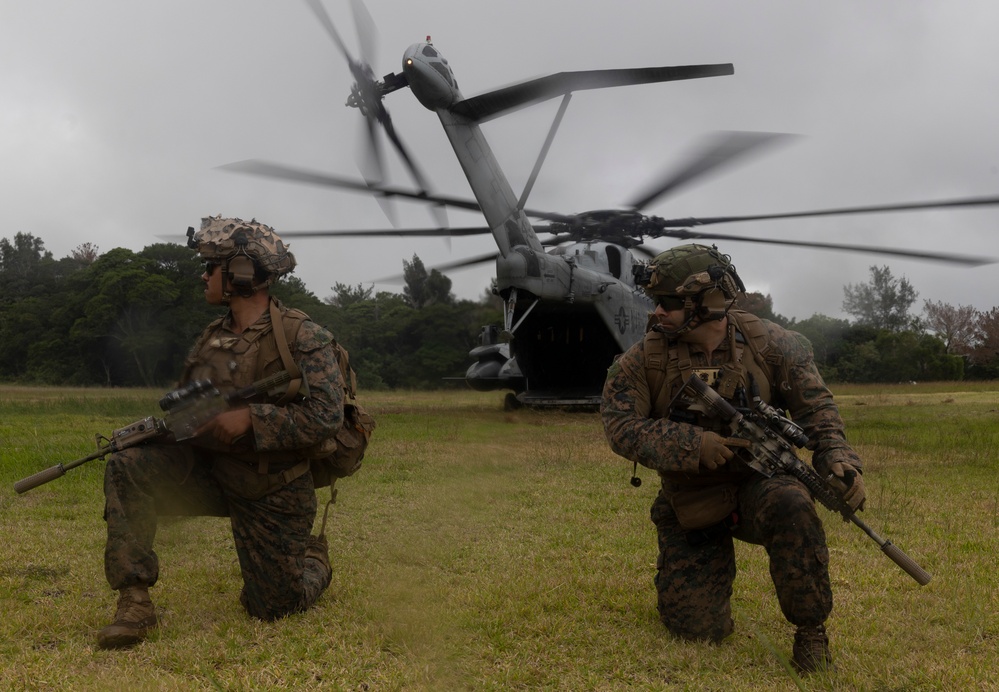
<point>40,478</point>
<point>57,471</point>
<point>895,554</point>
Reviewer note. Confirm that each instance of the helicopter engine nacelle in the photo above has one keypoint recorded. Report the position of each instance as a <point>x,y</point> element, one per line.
<point>429,76</point>
<point>493,369</point>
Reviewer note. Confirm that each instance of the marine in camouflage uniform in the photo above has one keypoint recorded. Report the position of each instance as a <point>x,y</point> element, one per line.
<point>704,501</point>
<point>250,464</point>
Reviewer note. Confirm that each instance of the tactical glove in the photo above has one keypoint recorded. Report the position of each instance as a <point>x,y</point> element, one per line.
<point>848,482</point>
<point>713,453</point>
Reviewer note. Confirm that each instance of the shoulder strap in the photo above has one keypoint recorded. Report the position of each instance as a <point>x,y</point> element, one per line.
<point>767,354</point>
<point>277,326</point>
<point>655,363</point>
<point>757,339</point>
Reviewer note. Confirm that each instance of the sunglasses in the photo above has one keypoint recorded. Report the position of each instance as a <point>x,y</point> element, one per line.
<point>669,303</point>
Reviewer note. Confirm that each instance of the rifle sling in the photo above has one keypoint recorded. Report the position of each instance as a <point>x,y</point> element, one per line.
<point>277,327</point>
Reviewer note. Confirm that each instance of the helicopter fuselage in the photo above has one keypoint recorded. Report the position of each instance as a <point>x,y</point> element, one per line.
<point>569,311</point>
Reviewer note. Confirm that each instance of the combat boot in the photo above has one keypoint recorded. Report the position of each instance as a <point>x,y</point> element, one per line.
<point>132,621</point>
<point>316,548</point>
<point>811,650</point>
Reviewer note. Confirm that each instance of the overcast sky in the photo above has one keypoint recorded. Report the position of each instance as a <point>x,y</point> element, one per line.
<point>115,116</point>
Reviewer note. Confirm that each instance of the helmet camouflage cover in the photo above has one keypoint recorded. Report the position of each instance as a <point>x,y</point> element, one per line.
<point>222,239</point>
<point>689,270</point>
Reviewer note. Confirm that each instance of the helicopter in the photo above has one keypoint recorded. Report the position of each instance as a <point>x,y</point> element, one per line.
<point>570,301</point>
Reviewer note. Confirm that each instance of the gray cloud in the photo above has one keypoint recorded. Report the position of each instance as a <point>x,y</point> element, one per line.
<point>114,117</point>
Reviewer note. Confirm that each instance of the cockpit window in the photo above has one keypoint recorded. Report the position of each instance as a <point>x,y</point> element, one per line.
<point>445,73</point>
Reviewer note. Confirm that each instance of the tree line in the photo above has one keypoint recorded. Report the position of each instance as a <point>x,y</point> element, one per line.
<point>888,342</point>
<point>125,318</point>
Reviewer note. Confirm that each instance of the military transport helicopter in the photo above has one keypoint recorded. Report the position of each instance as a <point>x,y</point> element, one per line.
<point>570,309</point>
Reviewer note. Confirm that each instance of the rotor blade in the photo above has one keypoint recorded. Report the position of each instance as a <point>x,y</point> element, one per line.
<point>460,264</point>
<point>370,161</point>
<point>324,19</point>
<point>401,232</point>
<point>367,32</point>
<point>277,171</point>
<point>266,169</point>
<point>647,252</point>
<point>489,105</point>
<point>555,240</point>
<point>386,120</point>
<point>720,149</point>
<point>968,260</point>
<point>383,117</point>
<point>941,204</point>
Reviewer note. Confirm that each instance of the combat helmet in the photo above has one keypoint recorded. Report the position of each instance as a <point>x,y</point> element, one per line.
<point>250,253</point>
<point>695,278</point>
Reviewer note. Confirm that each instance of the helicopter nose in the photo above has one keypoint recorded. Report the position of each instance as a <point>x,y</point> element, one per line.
<point>430,79</point>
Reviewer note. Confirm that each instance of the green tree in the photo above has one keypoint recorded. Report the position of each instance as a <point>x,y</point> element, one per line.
<point>858,362</point>
<point>344,295</point>
<point>424,289</point>
<point>371,331</point>
<point>292,291</point>
<point>827,337</point>
<point>140,313</point>
<point>883,302</point>
<point>869,355</point>
<point>25,267</point>
<point>36,305</point>
<point>125,318</point>
<point>912,357</point>
<point>761,306</point>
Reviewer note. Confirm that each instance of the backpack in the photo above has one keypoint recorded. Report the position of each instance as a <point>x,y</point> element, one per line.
<point>339,456</point>
<point>352,439</point>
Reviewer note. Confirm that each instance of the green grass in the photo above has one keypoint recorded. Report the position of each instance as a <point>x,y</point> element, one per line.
<point>480,549</point>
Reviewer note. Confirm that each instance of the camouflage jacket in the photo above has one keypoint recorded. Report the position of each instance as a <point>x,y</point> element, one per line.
<point>280,433</point>
<point>672,448</point>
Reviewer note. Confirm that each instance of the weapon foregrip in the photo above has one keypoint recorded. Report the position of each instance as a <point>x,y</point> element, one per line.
<point>909,565</point>
<point>820,491</point>
<point>40,478</point>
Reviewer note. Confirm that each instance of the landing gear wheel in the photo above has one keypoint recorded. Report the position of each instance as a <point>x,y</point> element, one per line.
<point>511,402</point>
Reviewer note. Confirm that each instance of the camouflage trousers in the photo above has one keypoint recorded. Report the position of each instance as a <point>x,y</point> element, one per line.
<point>696,570</point>
<point>270,532</point>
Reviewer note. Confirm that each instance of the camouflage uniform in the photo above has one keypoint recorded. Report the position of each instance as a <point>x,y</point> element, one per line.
<point>696,568</point>
<point>262,484</point>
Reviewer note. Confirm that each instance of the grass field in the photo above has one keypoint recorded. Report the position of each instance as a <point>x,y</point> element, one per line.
<point>481,549</point>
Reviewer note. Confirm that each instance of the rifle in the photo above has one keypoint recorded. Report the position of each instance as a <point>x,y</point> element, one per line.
<point>773,440</point>
<point>187,409</point>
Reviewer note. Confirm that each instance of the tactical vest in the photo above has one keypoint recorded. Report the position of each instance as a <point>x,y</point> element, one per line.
<point>668,365</point>
<point>233,362</point>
